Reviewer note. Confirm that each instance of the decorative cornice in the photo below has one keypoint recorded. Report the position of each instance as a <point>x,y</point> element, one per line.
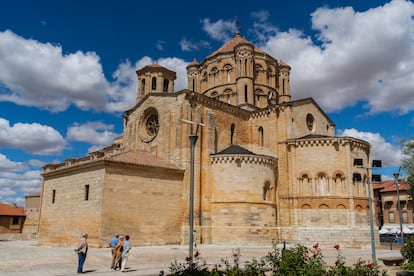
<point>244,158</point>
<point>196,98</point>
<point>328,141</point>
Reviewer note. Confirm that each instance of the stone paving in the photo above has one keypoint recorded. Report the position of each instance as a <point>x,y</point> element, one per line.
<point>20,255</point>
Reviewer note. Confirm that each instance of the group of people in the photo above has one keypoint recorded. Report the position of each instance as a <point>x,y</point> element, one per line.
<point>120,247</point>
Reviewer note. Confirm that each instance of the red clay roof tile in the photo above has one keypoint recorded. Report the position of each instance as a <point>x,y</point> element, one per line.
<point>8,210</point>
<point>141,158</point>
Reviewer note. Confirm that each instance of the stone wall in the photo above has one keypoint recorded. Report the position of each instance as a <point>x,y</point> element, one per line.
<point>65,212</point>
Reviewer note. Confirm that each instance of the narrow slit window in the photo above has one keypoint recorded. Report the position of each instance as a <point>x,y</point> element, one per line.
<point>154,83</point>
<point>86,192</point>
<point>53,196</point>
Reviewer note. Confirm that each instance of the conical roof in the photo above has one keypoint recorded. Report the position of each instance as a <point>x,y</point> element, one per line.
<point>230,45</point>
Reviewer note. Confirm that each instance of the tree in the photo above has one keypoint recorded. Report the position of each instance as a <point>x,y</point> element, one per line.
<point>408,163</point>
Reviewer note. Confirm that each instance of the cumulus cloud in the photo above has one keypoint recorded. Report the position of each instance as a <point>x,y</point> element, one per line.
<point>353,59</point>
<point>221,30</point>
<point>18,179</point>
<point>381,150</point>
<point>7,165</point>
<point>32,138</point>
<point>39,74</point>
<point>96,133</point>
<point>14,185</point>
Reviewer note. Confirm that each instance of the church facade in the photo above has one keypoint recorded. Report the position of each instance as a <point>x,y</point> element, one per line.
<point>266,167</point>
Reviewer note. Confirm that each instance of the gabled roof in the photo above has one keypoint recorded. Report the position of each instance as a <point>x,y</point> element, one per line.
<point>143,158</point>
<point>235,149</point>
<point>10,210</point>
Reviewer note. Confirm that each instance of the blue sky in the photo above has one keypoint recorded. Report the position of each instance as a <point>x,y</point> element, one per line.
<point>67,69</point>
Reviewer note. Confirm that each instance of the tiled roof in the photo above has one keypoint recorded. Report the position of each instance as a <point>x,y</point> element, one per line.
<point>34,195</point>
<point>281,62</point>
<point>9,210</point>
<point>194,62</point>
<point>235,149</point>
<point>310,136</point>
<point>136,157</point>
<point>389,186</point>
<point>229,46</point>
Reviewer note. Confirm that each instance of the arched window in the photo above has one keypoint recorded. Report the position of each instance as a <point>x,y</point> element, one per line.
<point>261,137</point>
<point>227,68</point>
<point>193,84</point>
<point>165,86</point>
<point>143,85</point>
<point>154,83</point>
<point>323,183</point>
<point>232,128</point>
<point>266,191</point>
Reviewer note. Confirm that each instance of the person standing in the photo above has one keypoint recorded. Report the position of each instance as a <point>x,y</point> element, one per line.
<point>126,246</point>
<point>82,250</point>
<point>112,244</point>
<point>118,253</point>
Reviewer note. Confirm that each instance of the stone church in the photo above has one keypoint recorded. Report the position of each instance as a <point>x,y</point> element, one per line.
<point>266,167</point>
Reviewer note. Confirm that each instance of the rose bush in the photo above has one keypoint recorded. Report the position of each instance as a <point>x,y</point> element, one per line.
<point>298,260</point>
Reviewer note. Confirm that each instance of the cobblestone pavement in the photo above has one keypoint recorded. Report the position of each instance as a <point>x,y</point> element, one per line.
<point>23,256</point>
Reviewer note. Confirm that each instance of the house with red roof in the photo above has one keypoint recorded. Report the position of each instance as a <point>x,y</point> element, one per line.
<point>12,218</point>
<point>390,217</point>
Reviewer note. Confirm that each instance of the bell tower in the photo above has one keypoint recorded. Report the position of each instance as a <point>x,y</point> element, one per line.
<point>155,78</point>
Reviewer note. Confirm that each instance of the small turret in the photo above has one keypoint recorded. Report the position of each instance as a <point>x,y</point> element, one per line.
<point>155,78</point>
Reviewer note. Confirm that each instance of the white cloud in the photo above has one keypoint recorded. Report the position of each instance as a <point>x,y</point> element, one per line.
<point>261,29</point>
<point>96,133</point>
<point>33,138</point>
<point>7,165</point>
<point>221,30</point>
<point>160,45</point>
<point>40,75</point>
<point>381,150</point>
<point>357,56</point>
<point>14,186</point>
<point>187,45</point>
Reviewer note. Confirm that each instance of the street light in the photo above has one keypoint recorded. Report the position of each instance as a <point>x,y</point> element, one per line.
<point>193,140</point>
<point>396,175</point>
<point>375,164</point>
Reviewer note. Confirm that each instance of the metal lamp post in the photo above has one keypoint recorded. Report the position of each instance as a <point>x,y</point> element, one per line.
<point>371,219</point>
<point>396,175</point>
<point>375,164</point>
<point>193,140</point>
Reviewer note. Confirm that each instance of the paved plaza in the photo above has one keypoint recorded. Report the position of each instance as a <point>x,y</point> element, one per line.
<point>21,255</point>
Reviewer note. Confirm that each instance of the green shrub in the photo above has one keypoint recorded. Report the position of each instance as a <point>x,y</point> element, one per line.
<point>408,266</point>
<point>298,260</point>
<point>407,250</point>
